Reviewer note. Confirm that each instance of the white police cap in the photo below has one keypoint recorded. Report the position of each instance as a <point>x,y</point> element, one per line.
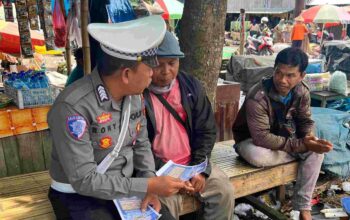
<point>131,40</point>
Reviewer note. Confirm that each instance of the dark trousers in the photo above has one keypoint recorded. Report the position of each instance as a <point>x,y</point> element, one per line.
<point>297,43</point>
<point>73,206</point>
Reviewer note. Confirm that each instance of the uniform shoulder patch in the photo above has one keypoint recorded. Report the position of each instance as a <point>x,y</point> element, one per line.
<point>102,93</point>
<point>76,126</point>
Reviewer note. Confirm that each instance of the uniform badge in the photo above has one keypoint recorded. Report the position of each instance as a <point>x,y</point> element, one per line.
<point>104,118</point>
<point>138,127</point>
<point>76,126</point>
<point>105,142</point>
<point>102,94</point>
<point>134,134</point>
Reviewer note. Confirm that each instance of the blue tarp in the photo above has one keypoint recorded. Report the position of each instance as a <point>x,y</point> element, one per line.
<point>333,125</point>
<point>66,5</point>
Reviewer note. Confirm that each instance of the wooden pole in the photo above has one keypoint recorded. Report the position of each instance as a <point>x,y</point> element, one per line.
<point>322,34</point>
<point>299,6</point>
<point>68,52</point>
<point>85,36</point>
<point>242,39</point>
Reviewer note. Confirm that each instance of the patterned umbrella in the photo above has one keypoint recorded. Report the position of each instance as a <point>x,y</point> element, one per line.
<point>347,8</point>
<point>172,8</point>
<point>326,14</point>
<point>9,38</point>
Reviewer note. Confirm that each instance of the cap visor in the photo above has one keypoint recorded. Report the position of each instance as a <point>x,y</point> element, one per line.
<point>151,62</point>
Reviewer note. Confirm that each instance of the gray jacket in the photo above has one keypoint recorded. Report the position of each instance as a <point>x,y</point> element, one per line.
<point>85,124</point>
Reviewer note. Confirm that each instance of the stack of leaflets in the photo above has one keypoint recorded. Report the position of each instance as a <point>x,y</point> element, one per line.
<point>130,209</point>
<point>181,171</point>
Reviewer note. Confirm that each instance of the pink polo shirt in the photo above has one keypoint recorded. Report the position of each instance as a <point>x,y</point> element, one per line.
<point>171,141</point>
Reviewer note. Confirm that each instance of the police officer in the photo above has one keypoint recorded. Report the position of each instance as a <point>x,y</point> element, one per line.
<point>86,123</point>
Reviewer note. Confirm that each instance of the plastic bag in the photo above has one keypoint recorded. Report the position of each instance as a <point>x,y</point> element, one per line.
<point>59,25</point>
<point>318,81</point>
<point>119,11</point>
<point>338,83</point>
<point>73,30</point>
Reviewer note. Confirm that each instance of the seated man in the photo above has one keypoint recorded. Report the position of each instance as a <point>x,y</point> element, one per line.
<point>181,127</point>
<point>100,118</point>
<point>274,126</point>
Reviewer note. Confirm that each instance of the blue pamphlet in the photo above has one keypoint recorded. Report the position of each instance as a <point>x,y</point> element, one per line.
<point>130,209</point>
<point>181,171</point>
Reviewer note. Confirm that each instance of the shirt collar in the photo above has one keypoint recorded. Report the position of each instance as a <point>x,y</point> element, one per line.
<point>272,92</point>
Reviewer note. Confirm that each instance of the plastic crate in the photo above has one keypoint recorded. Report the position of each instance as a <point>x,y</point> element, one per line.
<point>29,98</point>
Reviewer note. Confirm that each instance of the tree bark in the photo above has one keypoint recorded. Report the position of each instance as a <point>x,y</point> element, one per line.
<point>299,6</point>
<point>202,39</point>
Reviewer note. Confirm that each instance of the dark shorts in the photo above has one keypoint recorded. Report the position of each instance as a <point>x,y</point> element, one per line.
<point>73,206</point>
<point>297,43</point>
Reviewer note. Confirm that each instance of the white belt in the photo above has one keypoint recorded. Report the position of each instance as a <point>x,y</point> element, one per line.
<point>62,187</point>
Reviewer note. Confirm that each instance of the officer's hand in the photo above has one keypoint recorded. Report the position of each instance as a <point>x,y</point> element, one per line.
<point>316,145</point>
<point>198,182</point>
<point>166,185</point>
<point>152,200</point>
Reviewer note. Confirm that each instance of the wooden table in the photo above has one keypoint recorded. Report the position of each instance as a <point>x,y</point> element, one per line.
<point>325,96</point>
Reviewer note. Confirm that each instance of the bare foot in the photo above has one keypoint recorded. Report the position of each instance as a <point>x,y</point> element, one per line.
<point>305,215</point>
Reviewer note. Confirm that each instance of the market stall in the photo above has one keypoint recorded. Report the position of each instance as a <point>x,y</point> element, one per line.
<point>24,140</point>
<point>28,88</point>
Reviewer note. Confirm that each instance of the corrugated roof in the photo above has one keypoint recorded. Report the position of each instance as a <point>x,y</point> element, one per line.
<point>330,2</point>
<point>265,11</point>
<point>260,6</point>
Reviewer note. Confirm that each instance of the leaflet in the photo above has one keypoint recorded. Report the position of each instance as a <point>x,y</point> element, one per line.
<point>130,209</point>
<point>181,171</point>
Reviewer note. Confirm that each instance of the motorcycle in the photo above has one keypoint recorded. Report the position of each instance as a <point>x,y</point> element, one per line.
<point>259,46</point>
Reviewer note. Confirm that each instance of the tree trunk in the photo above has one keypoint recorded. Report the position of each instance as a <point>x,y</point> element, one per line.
<point>202,39</point>
<point>299,6</point>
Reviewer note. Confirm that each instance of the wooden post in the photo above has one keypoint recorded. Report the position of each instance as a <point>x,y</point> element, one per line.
<point>241,45</point>
<point>299,6</point>
<point>85,36</point>
<point>281,194</point>
<point>322,34</point>
<point>68,52</point>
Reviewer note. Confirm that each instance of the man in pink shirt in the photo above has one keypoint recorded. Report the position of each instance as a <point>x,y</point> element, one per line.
<point>181,128</point>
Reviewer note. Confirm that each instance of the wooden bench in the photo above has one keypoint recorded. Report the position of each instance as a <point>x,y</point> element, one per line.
<point>25,196</point>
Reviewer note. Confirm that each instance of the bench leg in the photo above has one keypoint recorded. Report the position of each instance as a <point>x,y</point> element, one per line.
<point>270,212</point>
<point>281,193</point>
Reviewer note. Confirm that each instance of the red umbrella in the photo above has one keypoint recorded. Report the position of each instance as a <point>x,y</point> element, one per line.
<point>347,8</point>
<point>172,8</point>
<point>9,38</point>
<point>326,14</point>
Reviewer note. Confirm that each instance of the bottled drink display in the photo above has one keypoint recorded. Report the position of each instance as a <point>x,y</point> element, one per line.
<point>26,79</point>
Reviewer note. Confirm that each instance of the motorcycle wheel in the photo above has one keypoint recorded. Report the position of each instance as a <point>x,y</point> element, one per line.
<point>248,51</point>
<point>263,52</point>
